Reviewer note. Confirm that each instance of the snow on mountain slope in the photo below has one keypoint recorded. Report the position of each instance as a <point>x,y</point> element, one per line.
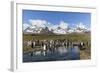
<point>43,27</point>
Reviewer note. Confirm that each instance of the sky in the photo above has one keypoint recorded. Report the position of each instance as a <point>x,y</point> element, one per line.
<point>56,17</point>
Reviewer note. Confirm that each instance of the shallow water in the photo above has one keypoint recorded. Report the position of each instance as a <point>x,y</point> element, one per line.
<point>60,53</point>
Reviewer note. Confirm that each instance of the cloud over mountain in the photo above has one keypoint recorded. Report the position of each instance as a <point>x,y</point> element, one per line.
<point>38,23</point>
<point>81,26</point>
<point>25,25</point>
<point>63,25</point>
<point>43,26</point>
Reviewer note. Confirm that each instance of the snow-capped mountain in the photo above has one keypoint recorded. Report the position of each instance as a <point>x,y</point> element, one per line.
<point>59,30</point>
<point>42,27</point>
<point>32,30</point>
<point>81,28</point>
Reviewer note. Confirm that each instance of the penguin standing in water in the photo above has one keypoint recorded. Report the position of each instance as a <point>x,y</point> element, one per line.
<point>44,50</point>
<point>82,45</point>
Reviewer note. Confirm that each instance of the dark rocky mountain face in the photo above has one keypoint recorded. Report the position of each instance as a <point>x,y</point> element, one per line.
<point>46,31</point>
